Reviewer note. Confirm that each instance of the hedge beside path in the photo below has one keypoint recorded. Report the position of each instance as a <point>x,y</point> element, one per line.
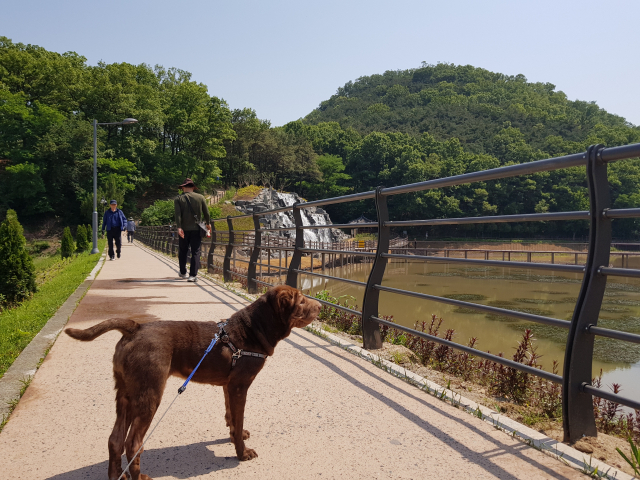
<point>19,325</point>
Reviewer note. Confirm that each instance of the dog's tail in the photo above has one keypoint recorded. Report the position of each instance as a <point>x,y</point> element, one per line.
<point>124,325</point>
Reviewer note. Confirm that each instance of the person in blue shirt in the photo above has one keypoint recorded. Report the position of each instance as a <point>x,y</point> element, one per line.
<point>131,228</point>
<point>114,222</point>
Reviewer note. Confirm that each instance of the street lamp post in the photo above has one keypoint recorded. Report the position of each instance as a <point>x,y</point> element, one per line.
<point>126,121</point>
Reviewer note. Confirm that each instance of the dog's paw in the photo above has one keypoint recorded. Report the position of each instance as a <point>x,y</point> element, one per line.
<point>248,454</point>
<point>145,477</point>
<point>245,434</point>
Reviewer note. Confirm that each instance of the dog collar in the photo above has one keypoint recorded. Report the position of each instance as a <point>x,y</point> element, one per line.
<point>237,353</point>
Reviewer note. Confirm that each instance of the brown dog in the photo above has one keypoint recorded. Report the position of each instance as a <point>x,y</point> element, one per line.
<point>147,354</point>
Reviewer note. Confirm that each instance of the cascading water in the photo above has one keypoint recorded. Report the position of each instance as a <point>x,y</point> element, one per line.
<point>268,199</point>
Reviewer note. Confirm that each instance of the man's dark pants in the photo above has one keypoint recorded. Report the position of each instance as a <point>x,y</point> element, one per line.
<point>130,236</point>
<point>114,234</point>
<point>191,239</point>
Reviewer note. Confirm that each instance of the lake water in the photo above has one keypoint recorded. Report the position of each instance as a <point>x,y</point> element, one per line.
<point>551,294</point>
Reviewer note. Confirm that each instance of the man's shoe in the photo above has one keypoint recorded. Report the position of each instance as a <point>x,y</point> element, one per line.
<point>118,255</point>
<point>192,279</point>
<point>111,258</point>
<point>183,275</point>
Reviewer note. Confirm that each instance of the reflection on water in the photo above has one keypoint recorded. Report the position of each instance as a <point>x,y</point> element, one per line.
<point>551,294</point>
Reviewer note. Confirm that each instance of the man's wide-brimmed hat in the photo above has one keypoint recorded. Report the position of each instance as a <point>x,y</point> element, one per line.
<point>188,183</point>
<point>131,218</point>
<point>113,202</point>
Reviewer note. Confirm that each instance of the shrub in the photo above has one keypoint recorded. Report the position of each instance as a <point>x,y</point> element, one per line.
<point>215,212</point>
<point>160,213</point>
<point>37,247</point>
<point>82,242</point>
<point>249,192</point>
<point>17,272</point>
<point>89,231</point>
<point>67,246</point>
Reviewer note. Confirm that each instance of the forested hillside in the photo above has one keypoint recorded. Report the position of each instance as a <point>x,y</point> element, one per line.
<point>390,129</point>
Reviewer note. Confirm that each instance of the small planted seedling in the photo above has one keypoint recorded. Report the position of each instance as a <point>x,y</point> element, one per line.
<point>634,461</point>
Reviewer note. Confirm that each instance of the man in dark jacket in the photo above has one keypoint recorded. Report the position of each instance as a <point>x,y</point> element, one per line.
<point>190,207</point>
<point>114,222</point>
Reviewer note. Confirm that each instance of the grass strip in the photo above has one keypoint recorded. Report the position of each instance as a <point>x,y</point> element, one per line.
<point>19,325</point>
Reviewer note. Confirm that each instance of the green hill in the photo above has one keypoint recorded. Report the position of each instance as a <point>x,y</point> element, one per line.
<point>488,112</point>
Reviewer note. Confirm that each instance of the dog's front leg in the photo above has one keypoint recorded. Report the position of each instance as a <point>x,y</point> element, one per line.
<point>228,417</point>
<point>237,399</point>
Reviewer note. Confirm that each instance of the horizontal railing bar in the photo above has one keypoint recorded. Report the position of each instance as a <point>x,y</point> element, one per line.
<point>238,217</point>
<point>483,308</point>
<point>274,210</point>
<point>612,154</point>
<point>345,198</point>
<point>264,283</point>
<point>333,305</point>
<point>346,252</point>
<point>272,266</point>
<point>494,263</point>
<point>238,274</point>
<point>217,255</point>
<point>472,351</point>
<point>618,335</point>
<point>346,280</point>
<point>575,160</point>
<point>243,231</point>
<point>276,229</point>
<point>622,213</point>
<point>559,252</point>
<point>619,272</point>
<point>341,225</point>
<point>597,392</point>
<point>529,217</point>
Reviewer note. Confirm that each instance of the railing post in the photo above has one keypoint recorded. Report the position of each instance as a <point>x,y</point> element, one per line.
<point>577,405</point>
<point>252,286</point>
<point>212,248</point>
<point>226,266</point>
<point>370,329</point>
<point>294,264</point>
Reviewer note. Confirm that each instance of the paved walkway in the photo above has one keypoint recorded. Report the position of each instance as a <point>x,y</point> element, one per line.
<point>315,411</point>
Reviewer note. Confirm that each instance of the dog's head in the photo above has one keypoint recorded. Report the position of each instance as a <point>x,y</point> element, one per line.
<point>293,306</point>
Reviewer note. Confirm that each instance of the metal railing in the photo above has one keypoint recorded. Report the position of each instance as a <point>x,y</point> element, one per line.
<point>577,391</point>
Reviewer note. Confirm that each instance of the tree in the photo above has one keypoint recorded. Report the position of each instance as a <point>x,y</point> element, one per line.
<point>17,272</point>
<point>67,247</point>
<point>162,212</point>
<point>82,242</point>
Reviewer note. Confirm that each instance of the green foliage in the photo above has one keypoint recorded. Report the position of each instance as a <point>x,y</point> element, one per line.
<point>82,242</point>
<point>47,102</point>
<point>634,458</point>
<point>17,273</point>
<point>67,246</point>
<point>37,247</point>
<point>215,211</point>
<point>249,191</point>
<point>162,212</point>
<point>19,325</point>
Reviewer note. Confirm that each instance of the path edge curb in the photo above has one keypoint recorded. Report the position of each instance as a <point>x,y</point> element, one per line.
<point>24,368</point>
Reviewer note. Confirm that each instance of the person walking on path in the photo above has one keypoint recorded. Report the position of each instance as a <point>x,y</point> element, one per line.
<point>190,208</point>
<point>131,228</point>
<point>114,222</point>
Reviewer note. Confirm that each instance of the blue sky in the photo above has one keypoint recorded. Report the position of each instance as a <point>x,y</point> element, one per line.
<point>282,57</point>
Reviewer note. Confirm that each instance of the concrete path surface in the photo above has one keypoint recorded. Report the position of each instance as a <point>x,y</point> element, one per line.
<point>315,411</point>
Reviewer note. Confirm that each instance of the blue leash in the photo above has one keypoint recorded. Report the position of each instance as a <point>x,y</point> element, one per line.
<point>184,385</point>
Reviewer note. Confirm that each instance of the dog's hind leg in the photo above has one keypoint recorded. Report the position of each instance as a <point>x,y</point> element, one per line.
<point>143,408</point>
<point>237,400</point>
<point>229,418</point>
<point>119,433</point>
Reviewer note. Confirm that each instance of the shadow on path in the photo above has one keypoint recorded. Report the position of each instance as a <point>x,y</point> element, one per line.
<point>472,456</point>
<point>185,461</point>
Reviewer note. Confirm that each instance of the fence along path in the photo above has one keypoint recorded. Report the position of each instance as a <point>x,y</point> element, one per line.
<point>315,411</point>
<point>577,408</point>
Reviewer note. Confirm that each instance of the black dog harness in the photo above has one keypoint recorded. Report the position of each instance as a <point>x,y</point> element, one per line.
<point>224,338</point>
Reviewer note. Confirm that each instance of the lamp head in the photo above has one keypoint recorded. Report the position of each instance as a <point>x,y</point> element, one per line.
<point>128,121</point>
